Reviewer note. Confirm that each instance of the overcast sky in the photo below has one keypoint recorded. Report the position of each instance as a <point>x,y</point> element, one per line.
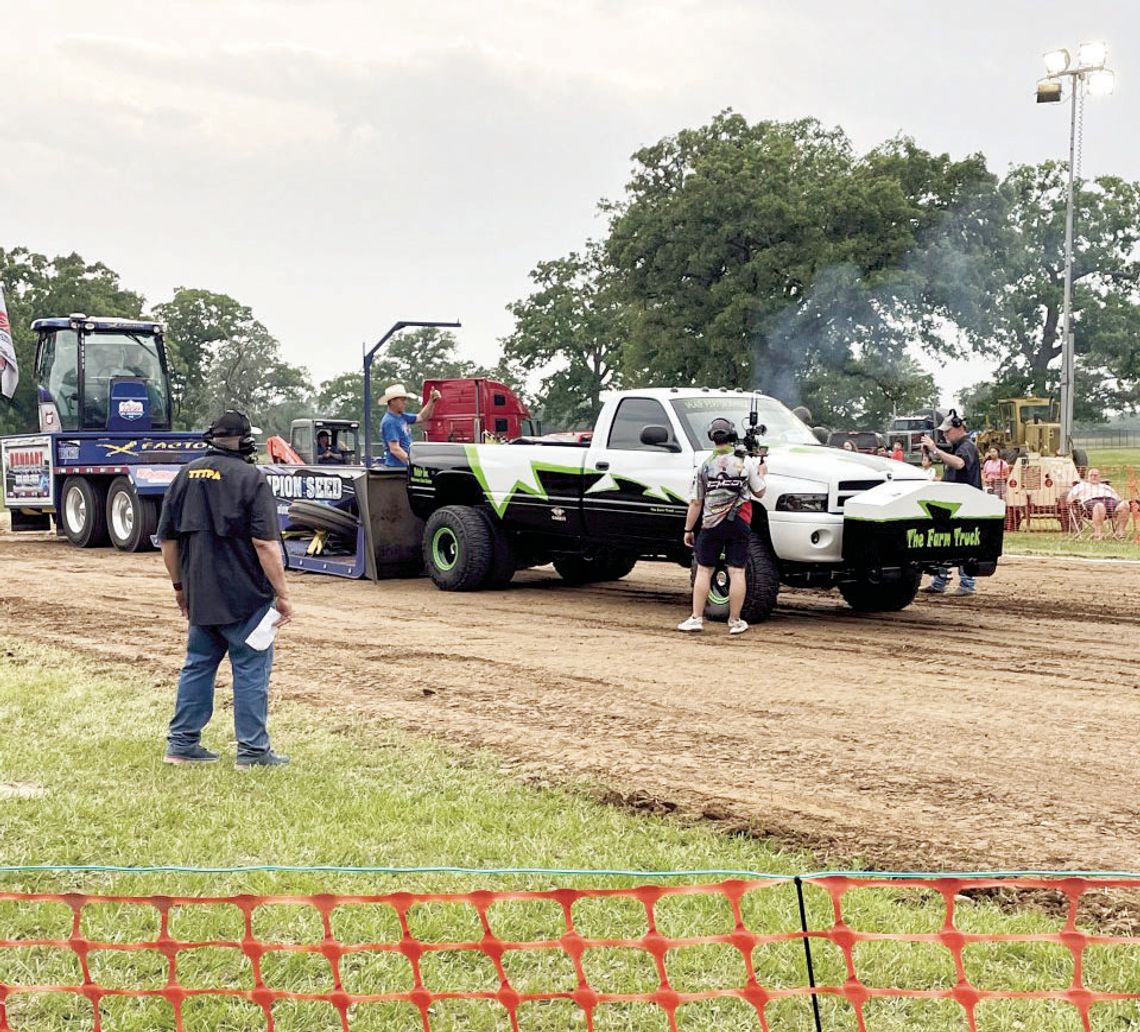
<point>340,164</point>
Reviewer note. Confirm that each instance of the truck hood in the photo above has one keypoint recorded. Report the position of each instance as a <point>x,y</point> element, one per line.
<point>831,465</point>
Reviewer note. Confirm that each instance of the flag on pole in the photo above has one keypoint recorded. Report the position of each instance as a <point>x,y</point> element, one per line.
<point>9,371</point>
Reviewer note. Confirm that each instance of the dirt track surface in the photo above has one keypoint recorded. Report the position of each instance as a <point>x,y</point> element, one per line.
<point>998,731</point>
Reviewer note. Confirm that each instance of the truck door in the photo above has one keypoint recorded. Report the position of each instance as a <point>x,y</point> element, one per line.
<point>642,494</point>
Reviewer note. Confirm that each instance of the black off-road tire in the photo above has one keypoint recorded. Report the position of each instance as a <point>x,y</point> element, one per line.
<point>83,512</point>
<point>578,570</point>
<point>317,516</point>
<point>887,597</point>
<point>504,562</point>
<point>762,576</point>
<point>459,548</point>
<point>1080,458</point>
<point>132,520</point>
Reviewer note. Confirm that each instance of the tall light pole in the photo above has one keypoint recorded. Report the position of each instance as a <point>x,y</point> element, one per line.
<point>1088,73</point>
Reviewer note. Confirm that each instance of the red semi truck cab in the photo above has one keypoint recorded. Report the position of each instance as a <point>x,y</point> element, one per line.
<point>468,410</point>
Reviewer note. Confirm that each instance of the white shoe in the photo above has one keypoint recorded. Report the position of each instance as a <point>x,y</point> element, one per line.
<point>737,626</point>
<point>694,623</point>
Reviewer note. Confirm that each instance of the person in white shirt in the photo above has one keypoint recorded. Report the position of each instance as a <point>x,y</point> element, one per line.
<point>1101,503</point>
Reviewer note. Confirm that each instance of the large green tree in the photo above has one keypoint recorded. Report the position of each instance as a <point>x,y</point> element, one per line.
<point>769,254</point>
<point>572,330</point>
<point>223,357</point>
<point>1021,325</point>
<point>37,287</point>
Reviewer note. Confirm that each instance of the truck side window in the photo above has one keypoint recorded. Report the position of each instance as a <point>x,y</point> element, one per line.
<point>634,415</point>
<point>303,442</point>
<point>61,361</point>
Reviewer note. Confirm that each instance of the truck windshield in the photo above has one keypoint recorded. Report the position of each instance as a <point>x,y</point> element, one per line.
<point>906,424</point>
<point>782,426</point>
<point>107,355</point>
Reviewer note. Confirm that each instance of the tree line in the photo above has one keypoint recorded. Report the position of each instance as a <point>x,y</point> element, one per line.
<point>772,255</point>
<point>767,254</point>
<point>220,355</point>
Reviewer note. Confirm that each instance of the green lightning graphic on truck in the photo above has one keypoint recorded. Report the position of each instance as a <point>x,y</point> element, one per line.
<point>504,472</point>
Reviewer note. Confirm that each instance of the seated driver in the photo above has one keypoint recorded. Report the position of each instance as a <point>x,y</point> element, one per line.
<point>326,453</point>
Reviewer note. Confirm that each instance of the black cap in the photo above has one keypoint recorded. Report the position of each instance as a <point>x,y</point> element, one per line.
<point>231,424</point>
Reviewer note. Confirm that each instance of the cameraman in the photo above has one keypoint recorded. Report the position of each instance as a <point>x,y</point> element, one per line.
<point>723,490</point>
<point>961,465</point>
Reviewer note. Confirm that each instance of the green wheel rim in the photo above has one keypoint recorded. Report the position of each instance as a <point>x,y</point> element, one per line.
<point>444,548</point>
<point>718,593</point>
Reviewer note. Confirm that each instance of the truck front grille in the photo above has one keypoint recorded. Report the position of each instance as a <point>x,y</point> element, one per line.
<point>849,488</point>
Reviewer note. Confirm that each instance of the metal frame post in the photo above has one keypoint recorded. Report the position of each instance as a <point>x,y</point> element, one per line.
<point>807,953</point>
<point>1068,365</point>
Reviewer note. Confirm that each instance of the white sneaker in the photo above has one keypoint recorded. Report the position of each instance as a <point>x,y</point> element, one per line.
<point>694,623</point>
<point>737,626</point>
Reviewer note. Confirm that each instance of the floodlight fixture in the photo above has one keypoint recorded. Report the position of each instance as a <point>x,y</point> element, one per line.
<point>1048,92</point>
<point>1101,82</point>
<point>1092,55</point>
<point>1057,61</point>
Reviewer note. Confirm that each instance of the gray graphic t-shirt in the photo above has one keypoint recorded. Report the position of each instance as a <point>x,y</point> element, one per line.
<point>725,486</point>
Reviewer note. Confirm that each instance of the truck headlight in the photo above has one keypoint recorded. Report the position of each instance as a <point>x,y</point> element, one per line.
<point>802,503</point>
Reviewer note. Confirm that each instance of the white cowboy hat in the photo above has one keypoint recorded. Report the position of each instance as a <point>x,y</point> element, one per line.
<point>395,391</point>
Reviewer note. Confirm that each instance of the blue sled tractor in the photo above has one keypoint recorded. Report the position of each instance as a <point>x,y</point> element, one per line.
<point>104,452</point>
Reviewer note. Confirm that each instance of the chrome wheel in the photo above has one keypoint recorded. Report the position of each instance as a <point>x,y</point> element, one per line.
<point>122,516</point>
<point>75,510</point>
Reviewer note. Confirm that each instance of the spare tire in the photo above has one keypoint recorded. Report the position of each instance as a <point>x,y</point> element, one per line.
<point>317,516</point>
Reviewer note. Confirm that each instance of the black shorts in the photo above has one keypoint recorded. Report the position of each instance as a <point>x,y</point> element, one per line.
<point>728,536</point>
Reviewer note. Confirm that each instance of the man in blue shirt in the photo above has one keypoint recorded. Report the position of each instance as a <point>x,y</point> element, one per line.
<point>394,430</point>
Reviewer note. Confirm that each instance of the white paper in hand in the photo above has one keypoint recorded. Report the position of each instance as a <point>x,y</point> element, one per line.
<point>261,637</point>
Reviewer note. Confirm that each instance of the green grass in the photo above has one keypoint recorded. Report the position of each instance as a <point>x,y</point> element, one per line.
<point>86,747</point>
<point>1112,462</point>
<point>1052,542</point>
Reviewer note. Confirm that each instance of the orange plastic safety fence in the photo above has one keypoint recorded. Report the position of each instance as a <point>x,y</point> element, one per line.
<point>571,945</point>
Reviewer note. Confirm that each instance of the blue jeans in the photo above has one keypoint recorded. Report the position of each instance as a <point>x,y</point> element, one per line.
<point>205,648</point>
<point>943,576</point>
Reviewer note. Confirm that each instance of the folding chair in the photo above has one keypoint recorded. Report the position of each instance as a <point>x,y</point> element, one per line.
<point>1081,522</point>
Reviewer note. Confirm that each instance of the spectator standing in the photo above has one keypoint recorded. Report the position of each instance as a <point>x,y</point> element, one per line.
<point>222,549</point>
<point>394,427</point>
<point>995,472</point>
<point>961,464</point>
<point>898,453</point>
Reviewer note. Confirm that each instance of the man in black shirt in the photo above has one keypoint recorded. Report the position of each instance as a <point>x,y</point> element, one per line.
<point>961,464</point>
<point>222,549</point>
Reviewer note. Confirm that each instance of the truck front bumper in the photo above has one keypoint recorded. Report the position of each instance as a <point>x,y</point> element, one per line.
<point>909,523</point>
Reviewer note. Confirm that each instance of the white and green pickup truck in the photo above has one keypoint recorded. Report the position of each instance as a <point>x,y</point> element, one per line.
<point>828,519</point>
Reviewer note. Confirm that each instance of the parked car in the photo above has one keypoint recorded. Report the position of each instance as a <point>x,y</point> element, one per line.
<point>866,441</point>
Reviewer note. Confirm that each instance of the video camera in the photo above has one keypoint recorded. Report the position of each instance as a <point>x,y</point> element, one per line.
<point>749,444</point>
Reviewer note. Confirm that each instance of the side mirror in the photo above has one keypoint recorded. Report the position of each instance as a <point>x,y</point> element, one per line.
<point>656,436</point>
